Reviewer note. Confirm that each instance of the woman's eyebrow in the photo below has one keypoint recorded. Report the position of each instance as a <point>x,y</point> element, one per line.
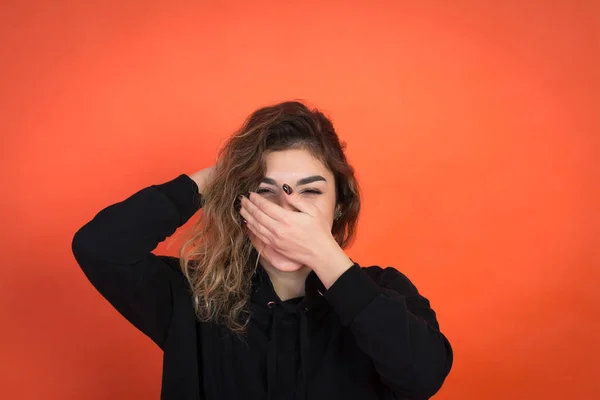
<point>303,181</point>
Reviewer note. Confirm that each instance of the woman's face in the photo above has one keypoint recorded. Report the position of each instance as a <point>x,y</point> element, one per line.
<point>310,179</point>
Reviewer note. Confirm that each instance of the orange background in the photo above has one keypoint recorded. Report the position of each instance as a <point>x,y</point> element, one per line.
<point>473,127</point>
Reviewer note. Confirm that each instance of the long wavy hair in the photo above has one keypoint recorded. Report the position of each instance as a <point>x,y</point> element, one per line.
<point>217,257</point>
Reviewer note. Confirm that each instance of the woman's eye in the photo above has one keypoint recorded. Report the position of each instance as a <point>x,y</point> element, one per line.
<point>312,191</point>
<point>263,190</point>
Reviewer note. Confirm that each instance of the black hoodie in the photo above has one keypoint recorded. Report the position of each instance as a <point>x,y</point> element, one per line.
<point>370,336</point>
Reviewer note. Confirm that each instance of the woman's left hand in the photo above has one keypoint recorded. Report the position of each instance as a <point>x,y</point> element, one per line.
<point>303,236</point>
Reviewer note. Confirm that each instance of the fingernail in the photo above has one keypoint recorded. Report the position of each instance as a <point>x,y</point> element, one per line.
<point>245,194</point>
<point>244,220</point>
<point>287,189</point>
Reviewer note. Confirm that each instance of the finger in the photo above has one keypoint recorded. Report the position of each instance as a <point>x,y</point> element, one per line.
<point>272,210</point>
<point>257,212</point>
<point>254,223</point>
<point>257,236</point>
<point>297,201</point>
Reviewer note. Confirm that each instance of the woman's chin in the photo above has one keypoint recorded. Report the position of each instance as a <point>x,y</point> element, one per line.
<point>285,265</point>
<point>292,267</point>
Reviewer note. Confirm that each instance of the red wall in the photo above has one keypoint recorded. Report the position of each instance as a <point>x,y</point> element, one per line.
<point>473,127</point>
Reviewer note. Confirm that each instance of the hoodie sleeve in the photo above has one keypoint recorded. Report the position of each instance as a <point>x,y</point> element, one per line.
<point>114,251</point>
<point>395,326</point>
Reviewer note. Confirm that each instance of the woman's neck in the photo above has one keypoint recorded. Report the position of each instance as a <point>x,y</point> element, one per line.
<point>288,285</point>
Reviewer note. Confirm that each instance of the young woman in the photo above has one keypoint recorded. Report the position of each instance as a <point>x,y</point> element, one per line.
<point>263,303</point>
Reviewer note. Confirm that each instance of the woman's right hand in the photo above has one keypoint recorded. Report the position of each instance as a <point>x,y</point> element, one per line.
<point>202,177</point>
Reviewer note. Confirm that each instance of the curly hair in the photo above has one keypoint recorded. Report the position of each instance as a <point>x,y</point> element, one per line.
<point>218,258</point>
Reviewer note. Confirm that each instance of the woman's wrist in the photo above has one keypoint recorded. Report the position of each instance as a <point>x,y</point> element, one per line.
<point>201,177</point>
<point>330,263</point>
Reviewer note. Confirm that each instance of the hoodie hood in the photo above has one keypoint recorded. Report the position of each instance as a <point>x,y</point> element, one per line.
<point>287,326</point>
